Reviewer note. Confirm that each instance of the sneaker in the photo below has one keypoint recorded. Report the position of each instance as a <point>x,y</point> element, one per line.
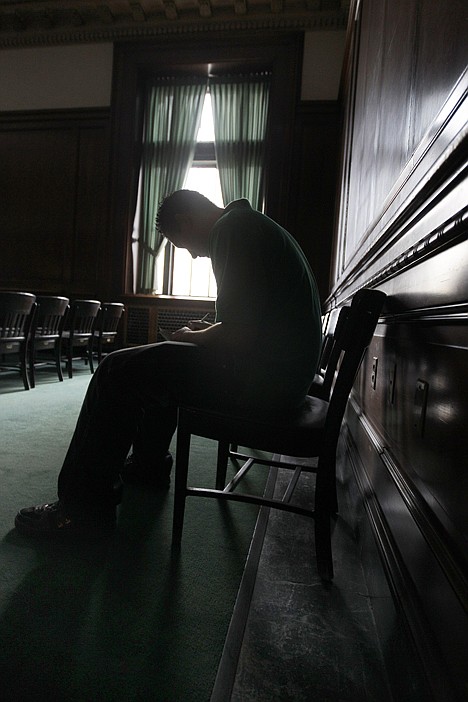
<point>53,519</point>
<point>157,478</point>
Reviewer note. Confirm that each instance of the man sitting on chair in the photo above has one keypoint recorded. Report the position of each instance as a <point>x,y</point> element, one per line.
<point>259,356</point>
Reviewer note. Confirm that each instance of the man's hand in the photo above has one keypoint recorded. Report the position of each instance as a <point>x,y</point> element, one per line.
<point>218,337</point>
<point>182,334</point>
<point>206,335</point>
<point>197,324</point>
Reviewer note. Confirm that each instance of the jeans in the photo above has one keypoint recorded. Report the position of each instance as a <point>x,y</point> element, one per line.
<point>132,401</point>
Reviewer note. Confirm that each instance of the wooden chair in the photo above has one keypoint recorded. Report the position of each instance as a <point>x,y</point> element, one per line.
<point>46,333</point>
<point>16,316</point>
<point>323,380</point>
<point>78,332</point>
<point>312,432</point>
<point>105,327</point>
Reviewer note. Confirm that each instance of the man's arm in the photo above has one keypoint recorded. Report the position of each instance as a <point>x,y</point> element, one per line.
<point>216,337</point>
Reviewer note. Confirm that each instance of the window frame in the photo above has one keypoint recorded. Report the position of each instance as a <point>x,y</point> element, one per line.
<point>281,54</point>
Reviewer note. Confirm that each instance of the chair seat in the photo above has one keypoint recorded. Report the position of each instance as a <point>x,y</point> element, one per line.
<point>12,339</point>
<point>77,336</point>
<point>297,434</point>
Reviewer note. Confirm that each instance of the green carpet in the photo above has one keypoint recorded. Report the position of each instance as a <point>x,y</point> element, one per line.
<point>123,619</point>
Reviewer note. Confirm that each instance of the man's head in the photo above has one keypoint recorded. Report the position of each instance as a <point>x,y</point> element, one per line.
<point>186,219</point>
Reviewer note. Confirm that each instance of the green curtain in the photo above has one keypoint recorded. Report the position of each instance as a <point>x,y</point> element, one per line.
<point>240,111</point>
<point>172,118</point>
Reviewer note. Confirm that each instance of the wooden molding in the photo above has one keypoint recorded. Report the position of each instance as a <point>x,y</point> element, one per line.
<point>405,592</point>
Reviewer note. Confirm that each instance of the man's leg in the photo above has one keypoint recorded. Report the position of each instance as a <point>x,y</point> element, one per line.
<point>125,385</point>
<point>149,465</point>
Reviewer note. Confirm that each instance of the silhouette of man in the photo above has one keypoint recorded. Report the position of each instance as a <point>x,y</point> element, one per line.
<point>260,354</point>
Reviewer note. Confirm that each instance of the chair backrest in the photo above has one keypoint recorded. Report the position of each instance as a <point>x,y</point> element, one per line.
<point>330,355</point>
<point>81,318</point>
<point>16,314</point>
<point>50,315</point>
<point>108,318</point>
<point>351,345</point>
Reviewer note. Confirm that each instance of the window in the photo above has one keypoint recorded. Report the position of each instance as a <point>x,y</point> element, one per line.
<point>138,67</point>
<point>183,118</point>
<point>187,276</point>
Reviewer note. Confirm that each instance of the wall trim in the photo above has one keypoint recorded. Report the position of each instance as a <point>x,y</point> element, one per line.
<point>25,119</point>
<point>453,231</point>
<point>437,314</point>
<point>405,596</point>
<point>281,22</point>
<point>441,545</point>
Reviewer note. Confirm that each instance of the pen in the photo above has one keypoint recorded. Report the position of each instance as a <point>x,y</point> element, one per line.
<point>205,317</point>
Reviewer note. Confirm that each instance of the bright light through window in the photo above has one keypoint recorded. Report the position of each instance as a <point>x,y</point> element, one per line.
<point>206,131</point>
<point>194,277</point>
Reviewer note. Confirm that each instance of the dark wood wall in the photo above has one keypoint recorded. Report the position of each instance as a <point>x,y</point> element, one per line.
<point>403,228</point>
<point>313,184</point>
<point>54,201</point>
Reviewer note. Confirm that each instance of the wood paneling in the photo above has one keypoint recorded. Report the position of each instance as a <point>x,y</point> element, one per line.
<point>404,229</point>
<point>37,212</point>
<point>440,58</point>
<point>400,103</point>
<point>53,218</point>
<point>313,185</point>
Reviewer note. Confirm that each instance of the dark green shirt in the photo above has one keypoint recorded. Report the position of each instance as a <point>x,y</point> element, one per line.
<point>265,284</point>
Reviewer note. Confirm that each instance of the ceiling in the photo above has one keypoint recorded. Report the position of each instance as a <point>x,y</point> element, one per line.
<point>48,22</point>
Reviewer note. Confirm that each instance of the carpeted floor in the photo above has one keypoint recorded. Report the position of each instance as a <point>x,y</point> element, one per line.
<point>114,620</point>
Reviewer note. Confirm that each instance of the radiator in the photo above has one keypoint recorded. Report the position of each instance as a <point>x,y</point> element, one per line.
<point>143,322</point>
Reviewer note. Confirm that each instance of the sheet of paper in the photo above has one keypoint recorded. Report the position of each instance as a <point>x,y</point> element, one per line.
<point>165,333</point>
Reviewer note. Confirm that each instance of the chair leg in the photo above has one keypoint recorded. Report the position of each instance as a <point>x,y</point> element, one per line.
<point>323,550</point>
<point>333,499</point>
<point>180,494</point>
<point>325,506</point>
<point>70,360</point>
<point>90,355</point>
<point>32,377</point>
<point>24,366</point>
<point>58,359</point>
<point>221,466</point>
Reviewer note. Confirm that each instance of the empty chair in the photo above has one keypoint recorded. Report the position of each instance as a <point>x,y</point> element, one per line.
<point>16,316</point>
<point>46,333</point>
<point>323,380</point>
<point>78,332</point>
<point>311,432</point>
<point>105,327</point>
